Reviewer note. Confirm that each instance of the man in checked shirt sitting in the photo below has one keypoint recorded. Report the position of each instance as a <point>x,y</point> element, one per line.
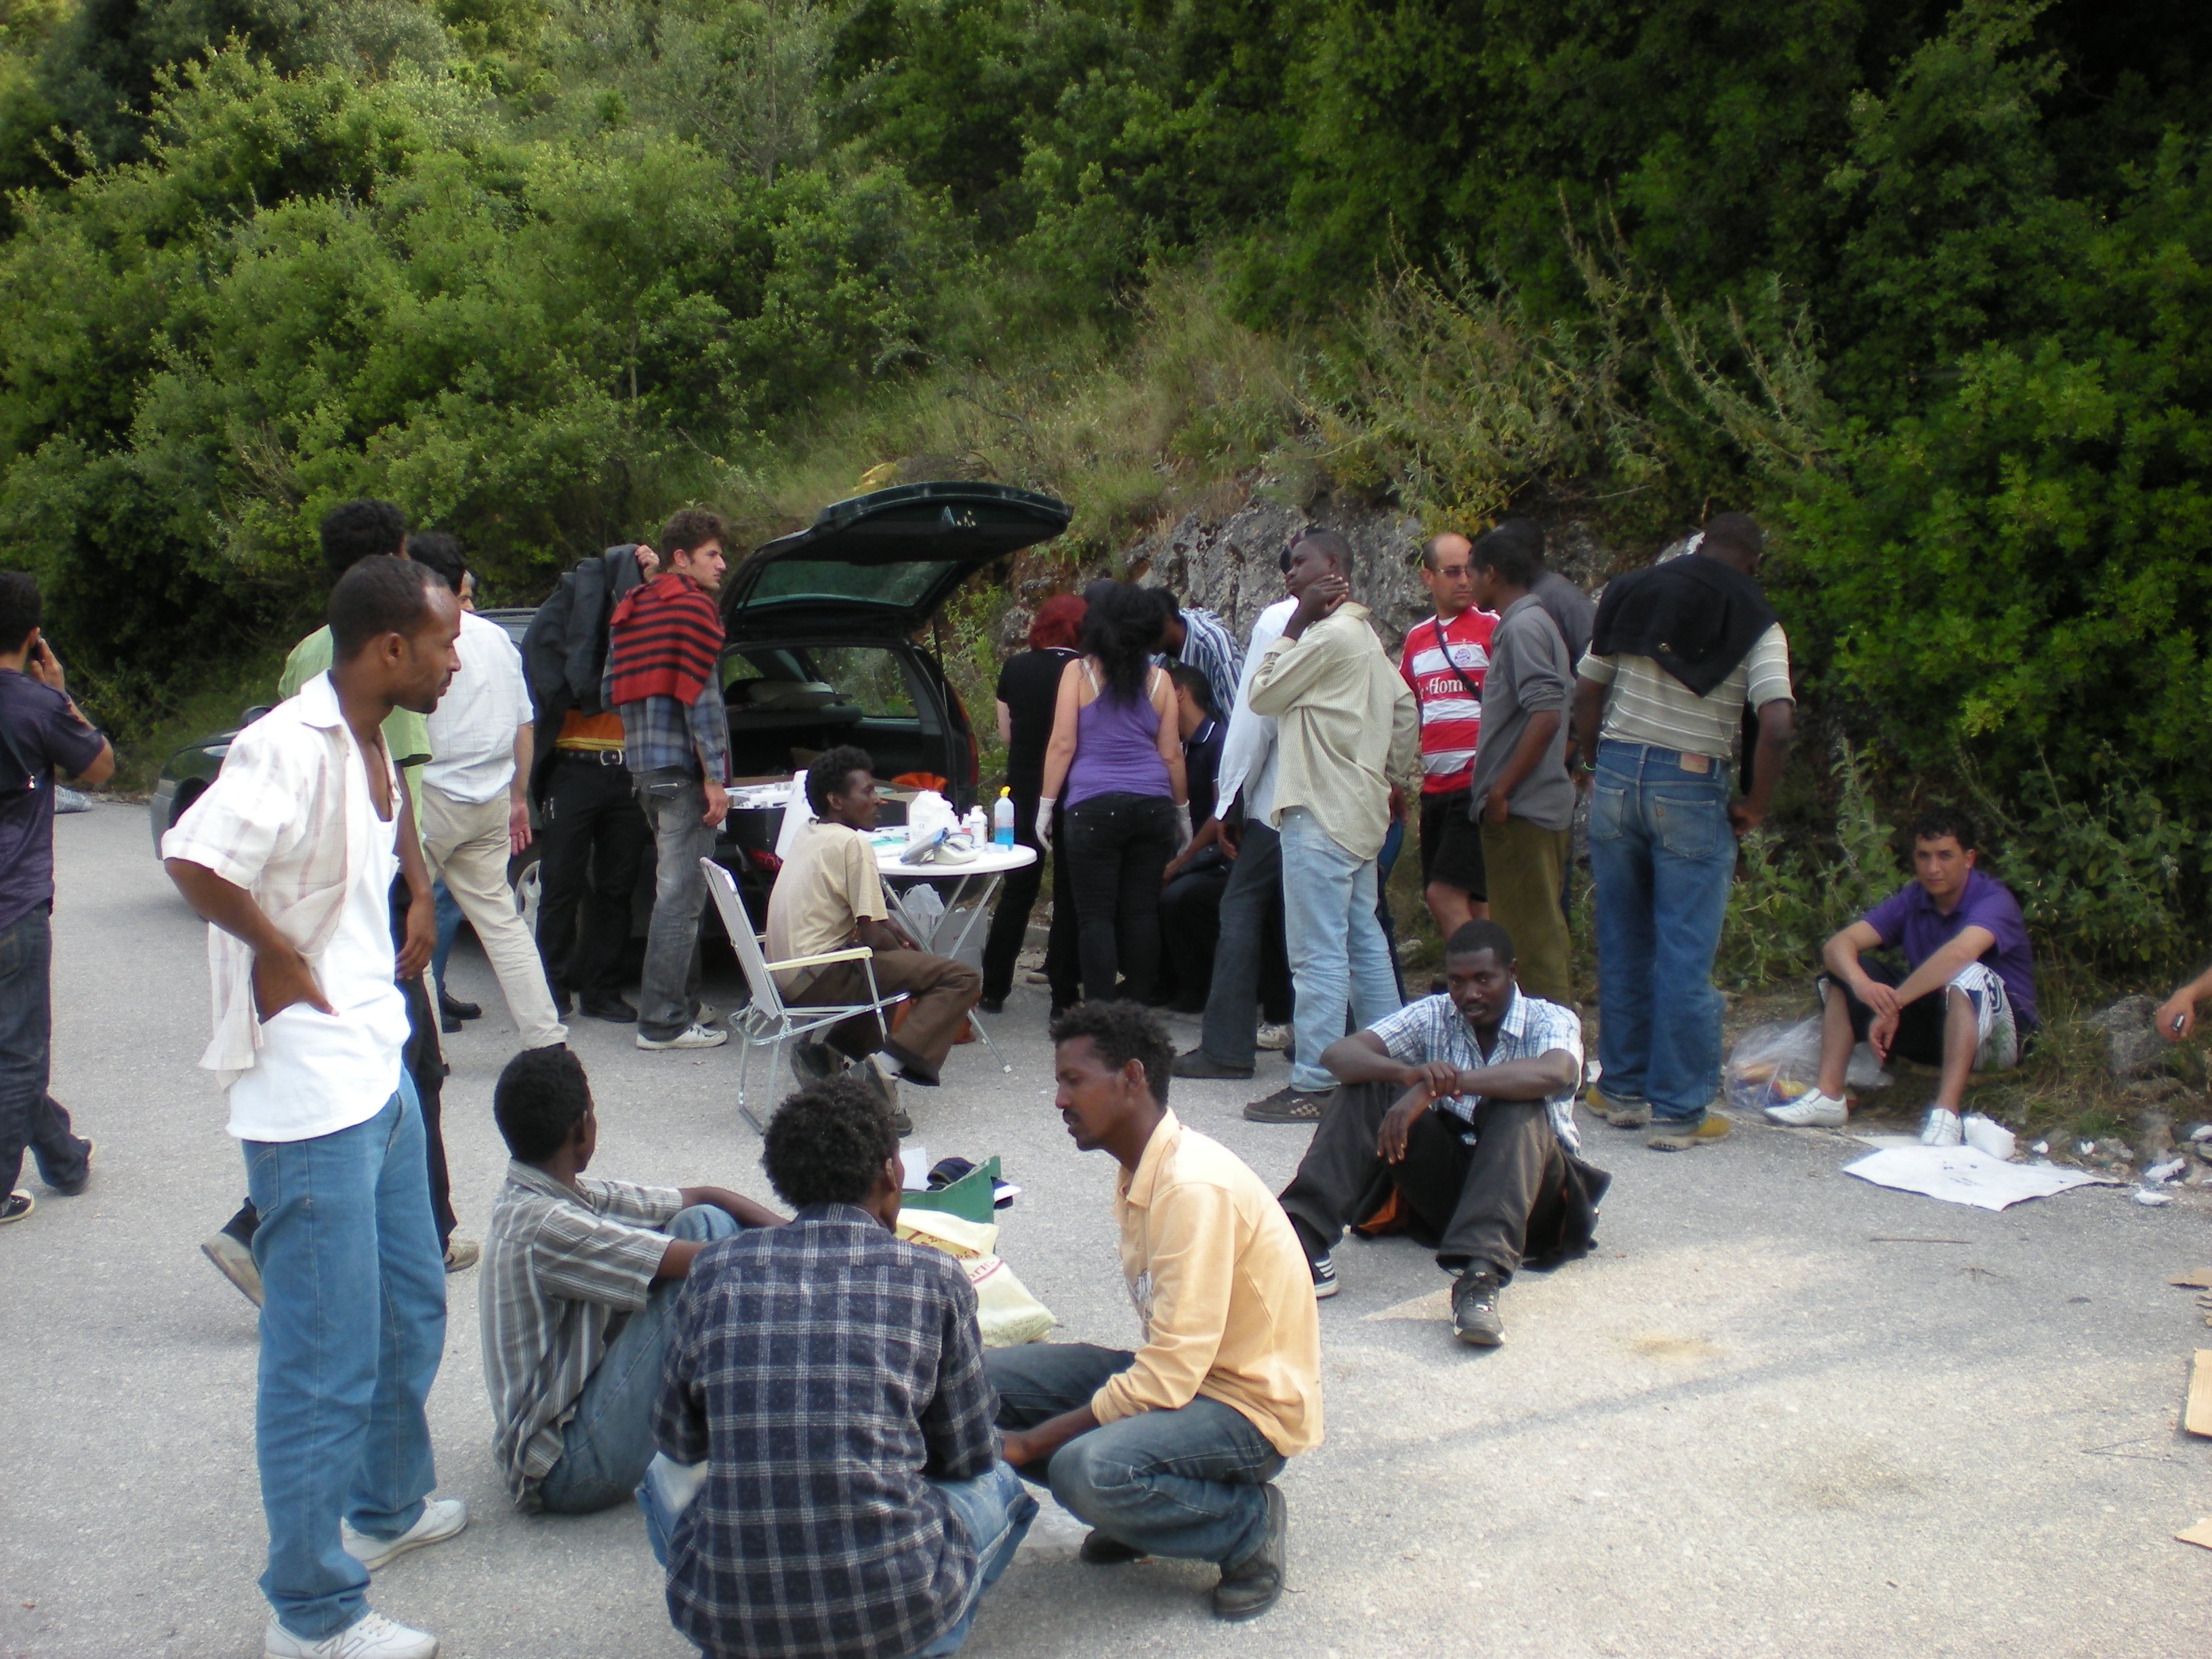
<point>829,1379</point>
<point>1456,1124</point>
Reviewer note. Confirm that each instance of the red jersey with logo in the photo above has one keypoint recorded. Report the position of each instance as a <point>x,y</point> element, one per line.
<point>1448,688</point>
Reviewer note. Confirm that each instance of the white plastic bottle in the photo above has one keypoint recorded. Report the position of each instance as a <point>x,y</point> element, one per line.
<point>1002,819</point>
<point>974,825</point>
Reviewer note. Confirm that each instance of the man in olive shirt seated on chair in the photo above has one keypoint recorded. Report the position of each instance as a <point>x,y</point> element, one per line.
<point>1172,1451</point>
<point>828,896</point>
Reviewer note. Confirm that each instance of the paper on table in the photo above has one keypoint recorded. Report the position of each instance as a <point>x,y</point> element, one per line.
<point>913,1169</point>
<point>1964,1174</point>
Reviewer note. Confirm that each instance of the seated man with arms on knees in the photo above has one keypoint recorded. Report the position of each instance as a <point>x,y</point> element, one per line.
<point>1172,1451</point>
<point>828,896</point>
<point>1457,1123</point>
<point>1965,1002</point>
<point>579,1281</point>
<point>829,1378</point>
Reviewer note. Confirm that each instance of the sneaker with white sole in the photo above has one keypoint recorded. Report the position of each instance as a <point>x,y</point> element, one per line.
<point>372,1636</point>
<point>1324,1276</point>
<point>440,1519</point>
<point>1811,1110</point>
<point>1276,1039</point>
<point>1942,1129</point>
<point>692,1037</point>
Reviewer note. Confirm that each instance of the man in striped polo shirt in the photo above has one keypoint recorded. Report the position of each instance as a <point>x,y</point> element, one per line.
<point>1444,660</point>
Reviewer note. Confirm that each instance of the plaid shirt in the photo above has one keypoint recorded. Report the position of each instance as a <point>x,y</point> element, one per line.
<point>659,735</point>
<point>562,1268</point>
<point>1434,1029</point>
<point>821,1370</point>
<point>1208,647</point>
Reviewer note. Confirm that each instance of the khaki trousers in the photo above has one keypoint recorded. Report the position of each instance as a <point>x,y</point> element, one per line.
<point>939,993</point>
<point>465,846</point>
<point>1524,862</point>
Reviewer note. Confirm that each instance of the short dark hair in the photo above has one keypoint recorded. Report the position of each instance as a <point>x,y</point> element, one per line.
<point>1195,682</point>
<point>828,1143</point>
<point>1480,934</point>
<point>1122,1032</point>
<point>1514,549</point>
<point>541,1097</point>
<point>829,771</point>
<point>357,530</point>
<point>690,527</point>
<point>375,598</point>
<point>1938,822</point>
<point>1338,550</point>
<point>21,608</point>
<point>1739,531</point>
<point>439,554</point>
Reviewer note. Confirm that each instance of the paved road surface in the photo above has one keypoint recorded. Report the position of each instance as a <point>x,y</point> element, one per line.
<point>1742,1428</point>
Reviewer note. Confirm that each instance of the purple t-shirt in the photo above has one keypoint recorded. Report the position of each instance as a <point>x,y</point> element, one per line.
<point>37,734</point>
<point>1908,918</point>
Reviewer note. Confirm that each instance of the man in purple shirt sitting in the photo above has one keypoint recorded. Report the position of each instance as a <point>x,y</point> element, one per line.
<point>1967,1001</point>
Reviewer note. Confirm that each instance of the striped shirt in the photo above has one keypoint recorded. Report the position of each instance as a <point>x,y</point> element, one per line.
<point>1208,647</point>
<point>1434,1029</point>
<point>562,1267</point>
<point>1646,704</point>
<point>1451,716</point>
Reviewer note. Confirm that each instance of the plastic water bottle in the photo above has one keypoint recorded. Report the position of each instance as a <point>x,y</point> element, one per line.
<point>974,825</point>
<point>1002,819</point>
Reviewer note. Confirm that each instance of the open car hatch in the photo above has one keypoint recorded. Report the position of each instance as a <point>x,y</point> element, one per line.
<point>885,560</point>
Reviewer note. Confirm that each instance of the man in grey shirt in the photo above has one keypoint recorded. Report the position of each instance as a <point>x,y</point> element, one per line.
<point>1521,792</point>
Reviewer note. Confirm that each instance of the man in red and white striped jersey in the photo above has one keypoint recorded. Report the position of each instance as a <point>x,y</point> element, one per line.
<point>1445,657</point>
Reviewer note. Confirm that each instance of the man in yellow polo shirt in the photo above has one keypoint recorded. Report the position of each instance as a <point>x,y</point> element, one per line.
<point>1227,1387</point>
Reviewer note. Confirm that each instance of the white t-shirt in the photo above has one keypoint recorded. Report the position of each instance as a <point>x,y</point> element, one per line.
<point>317,1073</point>
<point>472,728</point>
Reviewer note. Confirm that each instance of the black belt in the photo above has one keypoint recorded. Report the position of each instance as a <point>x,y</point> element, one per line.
<point>592,756</point>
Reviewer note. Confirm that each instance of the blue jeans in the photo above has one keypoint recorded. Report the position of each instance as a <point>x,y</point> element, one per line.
<point>993,1510</point>
<point>449,928</point>
<point>1663,855</point>
<point>352,1323</point>
<point>1185,1483</point>
<point>1337,953</point>
<point>609,1441</point>
<point>668,994</point>
<point>29,1117</point>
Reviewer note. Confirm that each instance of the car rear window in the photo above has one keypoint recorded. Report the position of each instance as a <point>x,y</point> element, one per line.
<point>903,582</point>
<point>866,677</point>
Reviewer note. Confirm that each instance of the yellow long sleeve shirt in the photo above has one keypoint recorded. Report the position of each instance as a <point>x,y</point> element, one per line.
<point>1223,1288</point>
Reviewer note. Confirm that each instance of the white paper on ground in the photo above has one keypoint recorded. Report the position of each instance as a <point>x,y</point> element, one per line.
<point>1963,1175</point>
<point>913,1169</point>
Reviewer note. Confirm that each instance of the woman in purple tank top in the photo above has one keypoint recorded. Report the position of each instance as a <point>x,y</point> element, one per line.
<point>1116,751</point>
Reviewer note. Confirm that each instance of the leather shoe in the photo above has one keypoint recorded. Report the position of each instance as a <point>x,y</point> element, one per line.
<point>455,1008</point>
<point>1102,1551</point>
<point>1198,1063</point>
<point>607,1006</point>
<point>1255,1583</point>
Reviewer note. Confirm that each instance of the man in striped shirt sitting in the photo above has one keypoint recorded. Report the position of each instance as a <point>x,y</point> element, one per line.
<point>1444,660</point>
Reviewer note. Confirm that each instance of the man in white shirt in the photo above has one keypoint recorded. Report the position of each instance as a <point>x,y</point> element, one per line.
<point>476,807</point>
<point>1247,950</point>
<point>290,855</point>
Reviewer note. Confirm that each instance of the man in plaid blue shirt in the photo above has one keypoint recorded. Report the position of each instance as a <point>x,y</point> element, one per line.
<point>830,1380</point>
<point>1455,1123</point>
<point>1198,640</point>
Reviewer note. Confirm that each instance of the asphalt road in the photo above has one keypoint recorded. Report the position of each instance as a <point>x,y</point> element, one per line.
<point>1743,1427</point>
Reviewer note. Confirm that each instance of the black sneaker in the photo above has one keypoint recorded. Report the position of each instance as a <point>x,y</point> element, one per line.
<point>991,1004</point>
<point>15,1206</point>
<point>1475,1310</point>
<point>455,1008</point>
<point>1198,1063</point>
<point>1289,1105</point>
<point>1100,1551</point>
<point>1324,1275</point>
<point>816,1062</point>
<point>1255,1583</point>
<point>608,1005</point>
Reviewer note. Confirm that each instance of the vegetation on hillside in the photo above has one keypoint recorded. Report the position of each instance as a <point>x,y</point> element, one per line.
<point>1922,281</point>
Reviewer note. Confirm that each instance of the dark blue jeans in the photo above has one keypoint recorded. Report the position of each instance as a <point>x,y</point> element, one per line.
<point>1184,1483</point>
<point>29,1117</point>
<point>1251,967</point>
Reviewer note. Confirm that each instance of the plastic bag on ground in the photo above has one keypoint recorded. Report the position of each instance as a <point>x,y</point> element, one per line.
<point>1006,1312</point>
<point>1773,1065</point>
<point>1865,1070</point>
<point>1988,1135</point>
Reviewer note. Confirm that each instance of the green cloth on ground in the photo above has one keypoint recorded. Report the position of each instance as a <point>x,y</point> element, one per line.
<point>406,733</point>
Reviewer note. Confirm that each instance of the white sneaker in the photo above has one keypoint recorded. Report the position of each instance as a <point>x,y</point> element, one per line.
<point>1276,1038</point>
<point>1942,1128</point>
<point>697,1036</point>
<point>370,1637</point>
<point>440,1519</point>
<point>1810,1110</point>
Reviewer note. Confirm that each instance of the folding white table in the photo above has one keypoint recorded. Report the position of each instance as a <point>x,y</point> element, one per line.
<point>974,883</point>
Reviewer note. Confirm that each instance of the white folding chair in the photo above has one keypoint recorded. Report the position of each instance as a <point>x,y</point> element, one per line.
<point>766,1022</point>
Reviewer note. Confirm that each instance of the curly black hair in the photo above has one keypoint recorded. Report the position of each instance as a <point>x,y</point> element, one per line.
<point>828,1143</point>
<point>1938,822</point>
<point>828,772</point>
<point>1122,1032</point>
<point>540,1099</point>
<point>357,530</point>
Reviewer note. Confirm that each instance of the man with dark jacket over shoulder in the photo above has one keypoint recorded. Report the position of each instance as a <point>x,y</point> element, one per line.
<point>592,835</point>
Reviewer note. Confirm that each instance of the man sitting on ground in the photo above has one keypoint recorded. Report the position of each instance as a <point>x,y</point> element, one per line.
<point>1965,1002</point>
<point>1172,1451</point>
<point>831,1379</point>
<point>828,896</point>
<point>1456,1124</point>
<point>579,1283</point>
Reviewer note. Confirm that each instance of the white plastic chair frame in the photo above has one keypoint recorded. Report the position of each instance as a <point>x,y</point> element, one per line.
<point>767,1022</point>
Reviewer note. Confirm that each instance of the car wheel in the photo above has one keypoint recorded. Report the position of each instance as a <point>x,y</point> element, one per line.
<point>526,875</point>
